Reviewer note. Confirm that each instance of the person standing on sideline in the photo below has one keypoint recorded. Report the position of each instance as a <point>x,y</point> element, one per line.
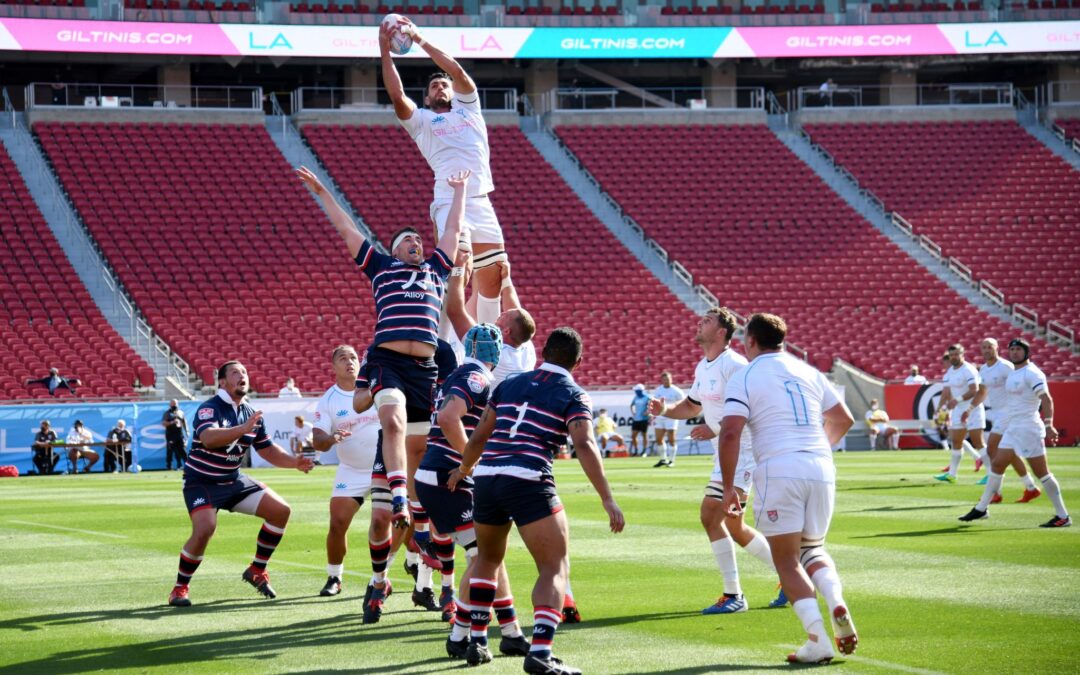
<point>666,428</point>
<point>176,432</point>
<point>639,421</point>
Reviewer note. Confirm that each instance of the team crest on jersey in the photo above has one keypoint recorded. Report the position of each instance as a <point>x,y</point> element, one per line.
<point>206,413</point>
<point>477,382</point>
<point>773,516</point>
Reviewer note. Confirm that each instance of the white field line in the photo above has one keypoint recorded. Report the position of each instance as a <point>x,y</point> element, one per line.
<point>888,665</point>
<point>70,529</point>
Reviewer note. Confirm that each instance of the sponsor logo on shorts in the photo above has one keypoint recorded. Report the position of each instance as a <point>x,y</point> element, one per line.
<point>746,475</point>
<point>206,413</point>
<point>198,501</point>
<point>554,502</point>
<point>466,515</point>
<point>340,486</point>
<point>378,467</point>
<point>773,516</point>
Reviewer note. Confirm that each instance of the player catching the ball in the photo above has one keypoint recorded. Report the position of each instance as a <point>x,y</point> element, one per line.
<point>452,135</point>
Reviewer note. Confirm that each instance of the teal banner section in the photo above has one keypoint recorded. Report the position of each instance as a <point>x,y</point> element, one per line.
<point>603,43</point>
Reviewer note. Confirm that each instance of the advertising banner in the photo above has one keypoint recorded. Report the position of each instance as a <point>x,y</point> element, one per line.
<point>658,42</point>
<point>920,402</point>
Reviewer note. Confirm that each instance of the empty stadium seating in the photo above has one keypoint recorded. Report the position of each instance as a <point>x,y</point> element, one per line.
<point>764,233</point>
<point>569,270</point>
<point>47,319</point>
<point>988,193</point>
<point>1071,127</point>
<point>218,243</point>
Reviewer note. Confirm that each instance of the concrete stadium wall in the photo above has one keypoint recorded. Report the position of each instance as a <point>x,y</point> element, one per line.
<point>151,115</point>
<point>385,117</point>
<point>903,114</point>
<point>656,116</point>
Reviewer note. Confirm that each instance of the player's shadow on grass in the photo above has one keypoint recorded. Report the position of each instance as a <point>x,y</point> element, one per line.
<point>904,486</point>
<point>221,646</point>
<point>628,619</point>
<point>954,529</point>
<point>732,667</point>
<point>895,509</point>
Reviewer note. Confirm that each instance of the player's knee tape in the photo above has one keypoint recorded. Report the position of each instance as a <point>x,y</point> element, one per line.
<point>813,554</point>
<point>417,428</point>
<point>489,258</point>
<point>466,539</point>
<point>389,397</point>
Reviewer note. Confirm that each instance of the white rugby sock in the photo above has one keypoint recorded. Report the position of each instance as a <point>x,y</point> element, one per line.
<point>993,485</point>
<point>969,449</point>
<point>954,463</point>
<point>1029,483</point>
<point>724,551</point>
<point>827,581</point>
<point>810,615</point>
<point>412,558</point>
<point>759,548</point>
<point>487,309</point>
<point>460,632</point>
<point>335,570</point>
<point>663,448</point>
<point>423,576</point>
<point>984,455</point>
<point>1053,491</point>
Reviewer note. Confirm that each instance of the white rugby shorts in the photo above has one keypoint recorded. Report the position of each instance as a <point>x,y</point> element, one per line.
<point>795,493</point>
<point>480,219</point>
<point>665,424</point>
<point>1026,440</point>
<point>976,419</point>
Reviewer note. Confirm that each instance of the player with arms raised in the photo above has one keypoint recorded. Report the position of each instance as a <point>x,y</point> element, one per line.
<point>225,427</point>
<point>510,455</point>
<point>408,289</point>
<point>796,417</point>
<point>452,135</point>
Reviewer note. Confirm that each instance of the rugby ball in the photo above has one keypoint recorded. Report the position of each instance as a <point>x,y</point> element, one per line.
<point>400,43</point>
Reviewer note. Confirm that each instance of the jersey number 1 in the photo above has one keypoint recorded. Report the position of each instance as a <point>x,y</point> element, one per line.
<point>522,409</point>
<point>798,403</point>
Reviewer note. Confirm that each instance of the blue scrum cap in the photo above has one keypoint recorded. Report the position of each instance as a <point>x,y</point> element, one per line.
<point>484,343</point>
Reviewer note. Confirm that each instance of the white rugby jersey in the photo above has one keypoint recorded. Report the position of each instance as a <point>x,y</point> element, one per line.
<point>994,378</point>
<point>1023,390</point>
<point>452,141</point>
<point>710,381</point>
<point>782,399</point>
<point>671,395</point>
<point>958,379</point>
<point>334,412</point>
<point>514,360</point>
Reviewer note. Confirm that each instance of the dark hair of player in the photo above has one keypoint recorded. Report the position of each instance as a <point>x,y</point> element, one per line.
<point>768,330</point>
<point>563,347</point>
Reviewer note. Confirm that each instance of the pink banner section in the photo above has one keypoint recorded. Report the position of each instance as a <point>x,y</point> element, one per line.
<point>801,41</point>
<point>49,35</point>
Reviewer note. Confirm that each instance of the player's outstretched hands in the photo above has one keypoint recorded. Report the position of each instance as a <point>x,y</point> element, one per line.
<point>702,432</point>
<point>310,180</point>
<point>459,180</point>
<point>409,28</point>
<point>249,425</point>
<point>384,37</point>
<point>656,406</point>
<point>304,464</point>
<point>615,515</point>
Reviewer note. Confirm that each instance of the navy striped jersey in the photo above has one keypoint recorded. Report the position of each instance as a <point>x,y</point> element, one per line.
<point>472,383</point>
<point>533,414</point>
<point>222,465</point>
<point>407,297</point>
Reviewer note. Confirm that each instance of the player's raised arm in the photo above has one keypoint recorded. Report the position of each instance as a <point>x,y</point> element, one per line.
<point>340,220</point>
<point>683,410</point>
<point>507,292</point>
<point>459,316</point>
<point>463,84</point>
<point>449,240</point>
<point>581,435</point>
<point>403,105</point>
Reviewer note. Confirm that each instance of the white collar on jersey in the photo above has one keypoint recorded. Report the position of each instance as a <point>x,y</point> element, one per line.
<point>224,396</point>
<point>487,371</point>
<point>556,369</point>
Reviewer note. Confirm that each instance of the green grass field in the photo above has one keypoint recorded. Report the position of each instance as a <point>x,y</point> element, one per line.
<point>86,564</point>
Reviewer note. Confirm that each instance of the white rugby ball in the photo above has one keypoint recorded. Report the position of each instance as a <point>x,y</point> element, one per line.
<point>400,43</point>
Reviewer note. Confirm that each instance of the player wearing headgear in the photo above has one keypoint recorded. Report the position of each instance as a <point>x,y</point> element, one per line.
<point>461,401</point>
<point>961,382</point>
<point>226,426</point>
<point>510,455</point>
<point>993,374</point>
<point>353,435</point>
<point>720,363</point>
<point>408,292</point>
<point>1029,423</point>
<point>452,135</point>
<point>796,418</point>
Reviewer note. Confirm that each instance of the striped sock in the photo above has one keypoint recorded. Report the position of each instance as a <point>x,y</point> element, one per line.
<point>420,523</point>
<point>188,564</point>
<point>545,621</point>
<point>444,550</point>
<point>269,538</point>
<point>462,622</point>
<point>507,617</point>
<point>481,598</point>
<point>396,479</point>
<point>380,554</point>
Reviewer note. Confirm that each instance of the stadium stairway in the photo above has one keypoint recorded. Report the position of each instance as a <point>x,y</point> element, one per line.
<point>85,257</point>
<point>1047,137</point>
<point>844,185</point>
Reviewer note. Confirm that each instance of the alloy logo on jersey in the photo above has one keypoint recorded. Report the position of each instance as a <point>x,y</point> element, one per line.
<point>206,413</point>
<point>773,516</point>
<point>198,502</point>
<point>341,413</point>
<point>340,486</point>
<point>415,280</point>
<point>477,382</point>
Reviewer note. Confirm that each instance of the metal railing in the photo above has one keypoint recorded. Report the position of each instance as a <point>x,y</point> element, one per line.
<point>875,96</point>
<point>368,98</point>
<point>1061,92</point>
<point>169,97</point>
<point>663,98</point>
<point>143,339</point>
